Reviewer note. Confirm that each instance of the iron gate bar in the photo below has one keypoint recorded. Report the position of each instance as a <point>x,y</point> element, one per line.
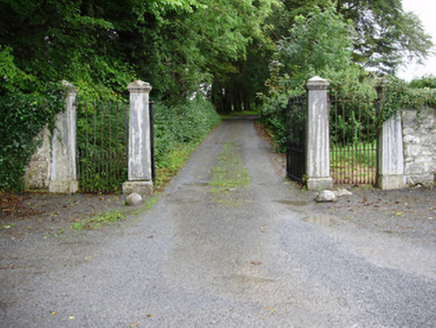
<point>153,164</point>
<point>108,157</point>
<point>295,138</point>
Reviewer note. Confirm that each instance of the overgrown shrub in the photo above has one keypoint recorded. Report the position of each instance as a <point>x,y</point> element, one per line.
<point>425,82</point>
<point>174,126</point>
<point>398,95</point>
<point>22,117</point>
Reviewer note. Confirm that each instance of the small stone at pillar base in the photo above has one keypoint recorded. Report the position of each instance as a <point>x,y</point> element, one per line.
<point>325,196</point>
<point>319,183</point>
<point>389,182</point>
<point>134,199</point>
<point>63,187</point>
<point>143,188</point>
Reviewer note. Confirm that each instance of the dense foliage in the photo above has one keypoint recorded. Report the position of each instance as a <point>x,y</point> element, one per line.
<point>385,35</point>
<point>186,123</point>
<point>322,42</point>
<point>174,45</point>
<point>318,44</point>
<point>224,49</point>
<point>425,82</point>
<point>23,117</point>
<point>398,94</point>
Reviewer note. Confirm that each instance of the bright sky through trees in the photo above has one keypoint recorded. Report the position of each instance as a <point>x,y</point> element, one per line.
<point>425,10</point>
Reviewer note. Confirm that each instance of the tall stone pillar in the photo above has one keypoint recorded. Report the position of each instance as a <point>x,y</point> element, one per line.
<point>63,172</point>
<point>317,135</point>
<point>390,156</point>
<point>139,162</point>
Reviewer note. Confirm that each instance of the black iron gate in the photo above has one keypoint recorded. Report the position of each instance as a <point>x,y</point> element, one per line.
<point>102,143</point>
<point>296,138</point>
<point>102,146</point>
<point>354,122</point>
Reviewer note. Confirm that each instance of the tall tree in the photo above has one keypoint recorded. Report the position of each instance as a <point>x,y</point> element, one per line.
<point>384,35</point>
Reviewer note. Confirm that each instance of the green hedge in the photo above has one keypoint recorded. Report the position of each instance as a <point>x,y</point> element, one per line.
<point>178,125</point>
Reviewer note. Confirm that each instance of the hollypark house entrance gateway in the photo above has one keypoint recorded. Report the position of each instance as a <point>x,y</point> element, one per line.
<point>331,139</point>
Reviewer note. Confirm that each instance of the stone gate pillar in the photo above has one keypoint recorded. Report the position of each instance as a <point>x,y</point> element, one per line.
<point>390,156</point>
<point>63,172</point>
<point>139,161</point>
<point>317,135</point>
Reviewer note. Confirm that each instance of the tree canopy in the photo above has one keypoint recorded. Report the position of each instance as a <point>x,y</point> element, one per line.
<point>176,45</point>
<point>183,46</point>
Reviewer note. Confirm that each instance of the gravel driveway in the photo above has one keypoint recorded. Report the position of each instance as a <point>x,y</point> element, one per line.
<point>256,255</point>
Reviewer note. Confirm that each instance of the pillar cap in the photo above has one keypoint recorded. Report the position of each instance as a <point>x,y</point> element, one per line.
<point>317,83</point>
<point>69,87</point>
<point>380,87</point>
<point>139,87</point>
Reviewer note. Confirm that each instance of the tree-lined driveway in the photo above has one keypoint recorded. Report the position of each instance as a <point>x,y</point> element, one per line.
<point>229,244</point>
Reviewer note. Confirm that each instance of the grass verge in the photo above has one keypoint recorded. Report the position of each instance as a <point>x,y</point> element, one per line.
<point>229,175</point>
<point>100,219</point>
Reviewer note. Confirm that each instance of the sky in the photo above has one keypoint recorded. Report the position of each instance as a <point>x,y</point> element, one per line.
<point>425,10</point>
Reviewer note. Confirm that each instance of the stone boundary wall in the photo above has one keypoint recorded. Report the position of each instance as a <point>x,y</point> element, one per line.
<point>37,174</point>
<point>419,142</point>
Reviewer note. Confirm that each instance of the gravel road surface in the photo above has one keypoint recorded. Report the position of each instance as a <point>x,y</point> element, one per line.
<point>263,255</point>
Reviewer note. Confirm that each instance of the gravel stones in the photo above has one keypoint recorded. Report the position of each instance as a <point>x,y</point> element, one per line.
<point>342,192</point>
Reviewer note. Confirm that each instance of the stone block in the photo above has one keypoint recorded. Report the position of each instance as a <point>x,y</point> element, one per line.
<point>413,150</point>
<point>319,183</point>
<point>426,178</point>
<point>143,188</point>
<point>64,187</point>
<point>413,168</point>
<point>410,139</point>
<point>37,174</point>
<point>390,182</point>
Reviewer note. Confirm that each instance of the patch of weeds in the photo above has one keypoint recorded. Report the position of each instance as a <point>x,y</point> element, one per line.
<point>60,232</point>
<point>230,175</point>
<point>98,220</point>
<point>148,204</point>
<point>8,226</point>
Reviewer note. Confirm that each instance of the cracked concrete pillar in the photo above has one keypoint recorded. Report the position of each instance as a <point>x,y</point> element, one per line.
<point>317,135</point>
<point>139,162</point>
<point>63,171</point>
